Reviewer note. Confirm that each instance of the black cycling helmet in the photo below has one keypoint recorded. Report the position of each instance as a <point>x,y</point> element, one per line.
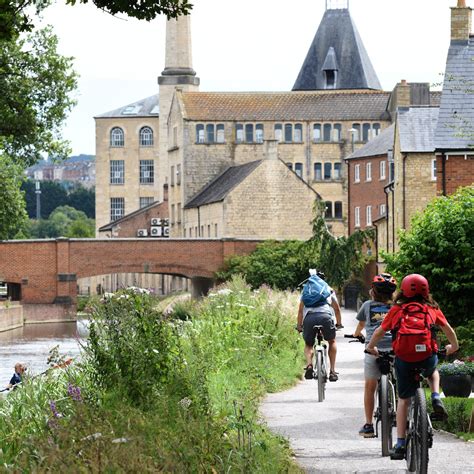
<point>384,283</point>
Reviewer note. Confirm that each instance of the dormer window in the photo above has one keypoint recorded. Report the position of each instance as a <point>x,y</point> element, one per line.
<point>330,78</point>
<point>330,69</point>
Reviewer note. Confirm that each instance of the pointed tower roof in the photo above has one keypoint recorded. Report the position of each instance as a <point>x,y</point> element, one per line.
<point>337,47</point>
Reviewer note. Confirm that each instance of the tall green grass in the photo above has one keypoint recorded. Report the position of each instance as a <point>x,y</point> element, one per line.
<point>175,393</point>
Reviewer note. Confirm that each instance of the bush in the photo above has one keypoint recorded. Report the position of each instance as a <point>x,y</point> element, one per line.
<point>456,368</point>
<point>459,415</point>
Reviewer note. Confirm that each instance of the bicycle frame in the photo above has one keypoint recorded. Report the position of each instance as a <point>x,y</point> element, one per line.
<point>320,350</point>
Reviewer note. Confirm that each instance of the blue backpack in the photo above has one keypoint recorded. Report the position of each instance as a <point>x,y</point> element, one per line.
<point>315,292</point>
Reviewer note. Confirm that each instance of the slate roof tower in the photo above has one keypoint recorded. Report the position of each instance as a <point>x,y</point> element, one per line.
<point>337,58</point>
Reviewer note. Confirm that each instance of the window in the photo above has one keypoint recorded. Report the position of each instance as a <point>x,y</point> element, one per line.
<point>330,78</point>
<point>147,172</point>
<point>259,133</point>
<point>368,171</point>
<point>172,176</point>
<point>327,171</point>
<point>382,210</point>
<point>298,137</point>
<point>338,209</point>
<point>433,170</point>
<point>210,133</point>
<point>196,232</point>
<point>365,132</point>
<point>220,132</point>
<point>290,165</point>
<point>318,172</point>
<point>327,128</point>
<point>215,230</point>
<point>190,232</point>
<point>173,214</point>
<point>317,132</point>
<point>356,132</point>
<point>178,213</point>
<point>278,132</point>
<point>117,208</point>
<point>117,137</point>
<point>117,172</point>
<point>249,132</point>
<point>239,133</point>
<point>337,171</point>
<point>146,136</point>
<point>356,173</point>
<point>200,133</point>
<point>299,169</point>
<point>328,213</point>
<point>209,230</point>
<point>337,132</point>
<point>376,129</point>
<point>288,132</point>
<point>357,217</point>
<point>392,171</point>
<point>174,143</point>
<point>382,169</point>
<point>178,174</point>
<point>368,215</point>
<point>146,201</point>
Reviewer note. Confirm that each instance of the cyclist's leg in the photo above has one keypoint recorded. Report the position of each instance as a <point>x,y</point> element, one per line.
<point>371,374</point>
<point>329,332</point>
<point>431,373</point>
<point>309,336</point>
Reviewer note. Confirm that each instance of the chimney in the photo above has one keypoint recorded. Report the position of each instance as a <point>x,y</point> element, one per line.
<point>271,150</point>
<point>461,21</point>
<point>400,97</point>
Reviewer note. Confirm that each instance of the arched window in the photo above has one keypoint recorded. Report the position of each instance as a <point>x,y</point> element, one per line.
<point>365,132</point>
<point>278,132</point>
<point>327,132</point>
<point>338,210</point>
<point>288,132</point>
<point>146,136</point>
<point>337,170</point>
<point>249,132</point>
<point>299,169</point>
<point>290,165</point>
<point>210,133</point>
<point>355,133</point>
<point>327,170</point>
<point>259,133</point>
<point>199,133</point>
<point>298,137</point>
<point>328,213</point>
<point>117,138</point>
<point>318,172</point>
<point>376,129</point>
<point>239,133</point>
<point>317,132</point>
<point>336,133</point>
<point>220,132</point>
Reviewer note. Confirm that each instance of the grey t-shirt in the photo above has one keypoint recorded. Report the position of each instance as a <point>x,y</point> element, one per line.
<point>324,308</point>
<point>373,313</point>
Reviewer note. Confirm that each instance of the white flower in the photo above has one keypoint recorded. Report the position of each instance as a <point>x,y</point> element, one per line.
<point>185,403</point>
<point>120,440</point>
<point>92,437</point>
<point>224,291</point>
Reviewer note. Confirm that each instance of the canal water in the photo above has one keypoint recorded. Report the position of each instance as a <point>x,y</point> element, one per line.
<point>31,344</point>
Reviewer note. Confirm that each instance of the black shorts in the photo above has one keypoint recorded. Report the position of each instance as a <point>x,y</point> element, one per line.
<point>318,319</point>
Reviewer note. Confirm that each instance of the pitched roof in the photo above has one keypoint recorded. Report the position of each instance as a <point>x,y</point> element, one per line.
<point>126,217</point>
<point>148,107</point>
<point>337,41</point>
<point>416,127</point>
<point>455,130</point>
<point>380,145</point>
<point>221,186</point>
<point>274,106</point>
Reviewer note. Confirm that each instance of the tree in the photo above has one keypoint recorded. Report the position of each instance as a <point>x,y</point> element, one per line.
<point>35,87</point>
<point>15,15</point>
<point>12,205</point>
<point>440,246</point>
<point>52,196</point>
<point>83,199</point>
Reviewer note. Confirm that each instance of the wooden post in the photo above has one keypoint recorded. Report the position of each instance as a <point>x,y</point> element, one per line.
<point>471,424</point>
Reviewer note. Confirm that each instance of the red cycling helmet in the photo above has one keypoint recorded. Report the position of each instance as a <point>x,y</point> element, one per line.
<point>415,284</point>
<point>384,283</point>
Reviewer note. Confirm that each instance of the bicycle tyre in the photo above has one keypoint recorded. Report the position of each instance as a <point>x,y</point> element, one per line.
<point>321,377</point>
<point>385,416</point>
<point>421,429</point>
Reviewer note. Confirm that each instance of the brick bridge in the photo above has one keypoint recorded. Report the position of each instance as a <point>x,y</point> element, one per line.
<point>43,274</point>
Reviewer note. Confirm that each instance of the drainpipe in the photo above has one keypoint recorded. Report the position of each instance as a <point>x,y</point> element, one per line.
<point>385,190</point>
<point>404,190</point>
<point>443,171</point>
<point>349,197</point>
<point>308,153</point>
<point>393,218</point>
<point>199,221</point>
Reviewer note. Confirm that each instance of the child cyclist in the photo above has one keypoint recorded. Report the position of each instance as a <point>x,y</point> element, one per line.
<point>370,317</point>
<point>414,314</point>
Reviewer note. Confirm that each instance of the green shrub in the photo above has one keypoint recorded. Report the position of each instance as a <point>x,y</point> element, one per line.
<point>456,368</point>
<point>459,415</point>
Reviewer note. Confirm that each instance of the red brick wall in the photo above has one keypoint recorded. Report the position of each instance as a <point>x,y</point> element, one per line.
<point>37,264</point>
<point>366,193</point>
<point>459,171</point>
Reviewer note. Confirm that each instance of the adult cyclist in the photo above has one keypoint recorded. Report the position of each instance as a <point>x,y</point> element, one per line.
<point>322,315</point>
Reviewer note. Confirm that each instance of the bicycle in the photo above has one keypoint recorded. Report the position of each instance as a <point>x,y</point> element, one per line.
<point>320,364</point>
<point>419,437</point>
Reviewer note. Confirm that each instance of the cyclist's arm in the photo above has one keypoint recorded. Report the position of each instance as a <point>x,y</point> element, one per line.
<point>299,321</point>
<point>358,329</point>
<point>337,311</point>
<point>453,345</point>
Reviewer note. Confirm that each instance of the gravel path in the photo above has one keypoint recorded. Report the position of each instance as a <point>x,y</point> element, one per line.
<point>324,436</point>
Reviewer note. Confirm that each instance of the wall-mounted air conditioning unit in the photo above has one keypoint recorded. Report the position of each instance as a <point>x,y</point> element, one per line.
<point>165,222</point>
<point>166,231</point>
<point>155,221</point>
<point>156,231</point>
<point>142,232</point>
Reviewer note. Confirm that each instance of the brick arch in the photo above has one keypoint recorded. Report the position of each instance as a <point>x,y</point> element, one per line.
<point>48,269</point>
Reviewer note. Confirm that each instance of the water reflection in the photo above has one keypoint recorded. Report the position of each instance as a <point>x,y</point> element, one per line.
<point>31,345</point>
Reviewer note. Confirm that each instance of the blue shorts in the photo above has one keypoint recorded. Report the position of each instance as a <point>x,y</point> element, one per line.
<point>406,380</point>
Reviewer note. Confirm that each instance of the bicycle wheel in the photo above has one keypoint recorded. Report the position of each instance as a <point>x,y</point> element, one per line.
<point>385,415</point>
<point>421,429</point>
<point>321,376</point>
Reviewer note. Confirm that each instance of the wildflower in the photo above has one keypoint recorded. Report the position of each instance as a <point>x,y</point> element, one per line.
<point>120,440</point>
<point>54,410</point>
<point>224,291</point>
<point>185,403</point>
<point>74,392</point>
<point>92,437</point>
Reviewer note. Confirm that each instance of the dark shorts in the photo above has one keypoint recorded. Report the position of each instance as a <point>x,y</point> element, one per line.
<point>318,319</point>
<point>406,381</point>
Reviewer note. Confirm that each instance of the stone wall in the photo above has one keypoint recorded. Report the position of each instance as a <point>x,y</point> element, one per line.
<point>11,316</point>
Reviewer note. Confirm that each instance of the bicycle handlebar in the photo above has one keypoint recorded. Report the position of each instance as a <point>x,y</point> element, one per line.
<point>359,338</point>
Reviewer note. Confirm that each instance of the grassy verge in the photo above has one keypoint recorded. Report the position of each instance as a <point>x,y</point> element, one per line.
<point>173,394</point>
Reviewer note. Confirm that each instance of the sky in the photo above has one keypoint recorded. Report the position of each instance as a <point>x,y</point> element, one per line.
<point>238,45</point>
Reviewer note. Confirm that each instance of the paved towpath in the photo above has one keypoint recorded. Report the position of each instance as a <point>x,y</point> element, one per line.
<point>324,436</point>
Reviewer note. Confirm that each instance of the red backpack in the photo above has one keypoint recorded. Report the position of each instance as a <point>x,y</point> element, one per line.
<point>414,337</point>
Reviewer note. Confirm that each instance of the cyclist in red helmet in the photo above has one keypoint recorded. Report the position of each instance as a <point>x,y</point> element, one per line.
<point>370,317</point>
<point>414,314</point>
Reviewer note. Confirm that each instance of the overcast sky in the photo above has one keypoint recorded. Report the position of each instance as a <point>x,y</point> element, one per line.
<point>238,45</point>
